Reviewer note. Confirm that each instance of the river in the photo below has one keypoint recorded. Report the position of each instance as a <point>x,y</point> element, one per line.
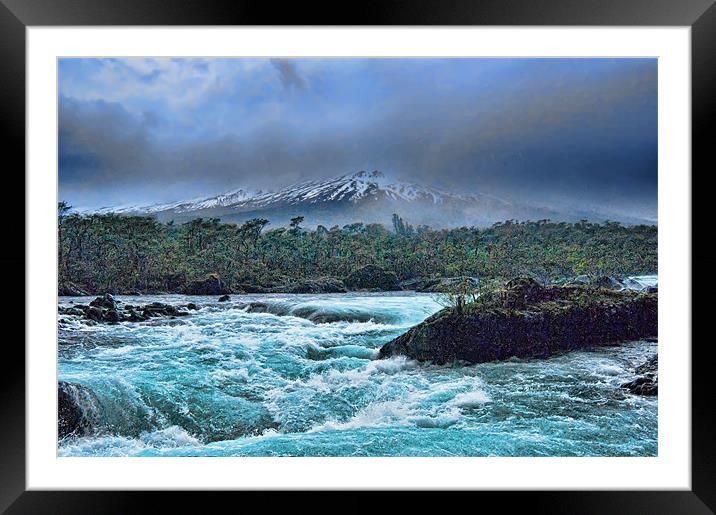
<point>226,382</point>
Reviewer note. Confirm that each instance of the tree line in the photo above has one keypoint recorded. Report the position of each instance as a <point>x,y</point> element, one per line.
<point>109,252</point>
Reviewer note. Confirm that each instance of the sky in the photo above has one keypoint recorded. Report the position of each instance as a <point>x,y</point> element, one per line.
<point>578,132</point>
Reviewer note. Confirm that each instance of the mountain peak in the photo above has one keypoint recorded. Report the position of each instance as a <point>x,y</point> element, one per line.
<point>375,174</point>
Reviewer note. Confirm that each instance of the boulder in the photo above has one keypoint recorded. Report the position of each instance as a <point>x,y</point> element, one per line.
<point>112,316</point>
<point>224,298</point>
<point>526,319</point>
<point>211,285</point>
<point>648,382</point>
<point>643,386</point>
<point>73,310</point>
<point>257,307</point>
<point>106,301</point>
<point>93,313</point>
<point>77,410</point>
<point>650,366</point>
<point>121,312</point>
<point>372,277</point>
<point>156,309</point>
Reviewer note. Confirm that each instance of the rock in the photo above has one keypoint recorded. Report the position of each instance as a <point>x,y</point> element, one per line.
<point>93,313</point>
<point>78,410</point>
<point>651,366</point>
<point>77,311</point>
<point>320,285</point>
<point>643,386</point>
<point>106,301</point>
<point>156,309</point>
<point>132,316</point>
<point>648,382</point>
<point>112,316</point>
<point>224,298</point>
<point>192,306</point>
<point>527,319</point>
<point>373,277</point>
<point>69,289</point>
<point>257,307</point>
<point>211,285</point>
<point>122,313</point>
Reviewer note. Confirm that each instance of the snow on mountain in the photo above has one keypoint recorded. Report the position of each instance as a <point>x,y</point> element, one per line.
<point>368,197</point>
<point>224,200</point>
<point>351,188</point>
<point>346,188</point>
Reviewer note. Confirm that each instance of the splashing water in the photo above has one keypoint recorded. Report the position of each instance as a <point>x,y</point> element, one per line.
<point>301,378</point>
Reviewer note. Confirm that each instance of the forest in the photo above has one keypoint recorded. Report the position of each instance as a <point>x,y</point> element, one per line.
<point>126,254</point>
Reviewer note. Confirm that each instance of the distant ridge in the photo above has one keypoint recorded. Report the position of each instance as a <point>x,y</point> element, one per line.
<point>369,197</point>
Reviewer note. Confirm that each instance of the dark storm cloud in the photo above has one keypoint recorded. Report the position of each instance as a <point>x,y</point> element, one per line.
<point>289,75</point>
<point>569,131</point>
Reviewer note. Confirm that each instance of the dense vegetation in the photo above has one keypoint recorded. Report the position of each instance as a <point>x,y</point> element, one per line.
<point>111,253</point>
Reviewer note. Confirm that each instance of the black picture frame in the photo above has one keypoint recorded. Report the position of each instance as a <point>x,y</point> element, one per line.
<point>17,15</point>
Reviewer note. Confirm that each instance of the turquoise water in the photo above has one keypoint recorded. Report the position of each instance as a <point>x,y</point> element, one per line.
<point>225,382</point>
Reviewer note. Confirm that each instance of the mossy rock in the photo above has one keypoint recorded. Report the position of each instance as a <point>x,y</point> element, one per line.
<point>526,319</point>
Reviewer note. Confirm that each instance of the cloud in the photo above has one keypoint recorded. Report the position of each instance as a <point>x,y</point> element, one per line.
<point>289,75</point>
<point>580,131</point>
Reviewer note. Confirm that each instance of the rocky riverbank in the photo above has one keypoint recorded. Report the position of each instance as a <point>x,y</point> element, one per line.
<point>107,309</point>
<point>527,319</point>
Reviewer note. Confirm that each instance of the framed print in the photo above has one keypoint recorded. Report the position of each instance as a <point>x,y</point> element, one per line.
<point>436,248</point>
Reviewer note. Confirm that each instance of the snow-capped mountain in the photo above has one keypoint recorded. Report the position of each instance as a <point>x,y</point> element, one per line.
<point>360,197</point>
<point>224,200</point>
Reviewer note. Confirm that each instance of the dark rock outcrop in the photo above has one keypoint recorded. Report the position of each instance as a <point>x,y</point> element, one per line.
<point>156,309</point>
<point>648,382</point>
<point>526,319</point>
<point>211,285</point>
<point>224,298</point>
<point>257,307</point>
<point>106,301</point>
<point>106,309</point>
<point>373,277</point>
<point>77,410</point>
<point>643,385</point>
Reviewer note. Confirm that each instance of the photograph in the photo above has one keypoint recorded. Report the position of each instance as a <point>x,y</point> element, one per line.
<point>357,257</point>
